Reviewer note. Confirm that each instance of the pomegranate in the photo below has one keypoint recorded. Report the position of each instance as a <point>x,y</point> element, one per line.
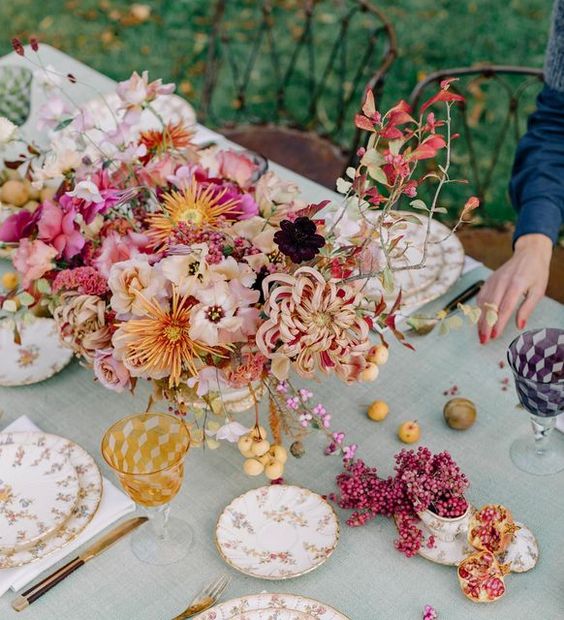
<point>481,577</point>
<point>491,528</point>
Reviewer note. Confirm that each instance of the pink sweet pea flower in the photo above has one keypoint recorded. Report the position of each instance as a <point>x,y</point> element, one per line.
<point>33,259</point>
<point>57,226</point>
<point>111,373</point>
<point>52,113</point>
<point>92,197</point>
<point>18,225</point>
<point>116,249</point>
<point>246,205</point>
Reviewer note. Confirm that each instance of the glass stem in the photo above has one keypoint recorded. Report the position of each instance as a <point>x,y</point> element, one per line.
<point>542,428</point>
<point>159,520</point>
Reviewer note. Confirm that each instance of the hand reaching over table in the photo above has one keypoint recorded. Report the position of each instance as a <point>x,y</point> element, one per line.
<point>524,275</point>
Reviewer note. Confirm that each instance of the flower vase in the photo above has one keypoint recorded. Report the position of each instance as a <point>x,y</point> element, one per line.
<point>231,400</point>
<point>445,528</point>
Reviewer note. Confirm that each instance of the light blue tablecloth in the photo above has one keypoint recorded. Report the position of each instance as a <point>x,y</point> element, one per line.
<point>365,578</point>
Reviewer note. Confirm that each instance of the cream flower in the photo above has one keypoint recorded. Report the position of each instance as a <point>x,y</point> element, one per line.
<point>314,324</point>
<point>277,198</point>
<point>213,320</point>
<point>129,278</point>
<point>186,271</point>
<point>229,269</point>
<point>81,321</point>
<point>7,130</point>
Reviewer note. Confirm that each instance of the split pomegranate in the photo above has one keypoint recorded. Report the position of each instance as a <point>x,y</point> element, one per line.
<point>491,529</point>
<point>481,577</point>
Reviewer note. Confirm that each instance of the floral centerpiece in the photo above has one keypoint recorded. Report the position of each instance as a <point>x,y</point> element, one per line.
<point>181,265</point>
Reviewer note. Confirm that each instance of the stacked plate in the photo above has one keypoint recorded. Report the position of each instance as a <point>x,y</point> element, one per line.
<point>50,489</point>
<point>272,607</point>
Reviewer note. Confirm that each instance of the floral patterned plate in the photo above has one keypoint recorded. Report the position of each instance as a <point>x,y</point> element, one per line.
<point>443,266</point>
<point>38,491</point>
<point>277,532</point>
<point>273,614</point>
<point>38,357</point>
<point>89,495</point>
<point>274,603</point>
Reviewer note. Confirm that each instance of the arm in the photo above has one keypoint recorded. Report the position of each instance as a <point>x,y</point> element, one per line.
<point>537,192</point>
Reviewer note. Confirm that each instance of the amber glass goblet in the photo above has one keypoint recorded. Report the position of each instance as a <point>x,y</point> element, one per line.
<point>146,451</point>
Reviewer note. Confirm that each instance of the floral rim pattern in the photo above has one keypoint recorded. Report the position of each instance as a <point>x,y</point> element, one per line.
<point>236,609</point>
<point>39,356</point>
<point>277,532</point>
<point>90,494</point>
<point>38,492</point>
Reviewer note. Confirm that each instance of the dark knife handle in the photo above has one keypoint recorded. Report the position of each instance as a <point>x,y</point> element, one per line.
<point>38,590</point>
<point>467,294</point>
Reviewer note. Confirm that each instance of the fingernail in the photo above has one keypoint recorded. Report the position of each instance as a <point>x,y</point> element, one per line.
<point>494,333</point>
<point>483,338</point>
<point>522,324</point>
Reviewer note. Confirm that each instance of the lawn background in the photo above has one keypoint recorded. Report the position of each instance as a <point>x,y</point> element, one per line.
<point>432,34</point>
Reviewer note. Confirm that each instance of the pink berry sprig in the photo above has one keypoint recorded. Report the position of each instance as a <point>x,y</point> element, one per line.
<point>430,613</point>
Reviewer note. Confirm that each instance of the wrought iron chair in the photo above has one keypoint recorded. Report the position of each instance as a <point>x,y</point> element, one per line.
<point>285,77</point>
<point>498,100</point>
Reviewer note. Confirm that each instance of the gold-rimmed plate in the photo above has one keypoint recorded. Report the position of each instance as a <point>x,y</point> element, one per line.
<point>277,532</point>
<point>241,608</point>
<point>89,495</point>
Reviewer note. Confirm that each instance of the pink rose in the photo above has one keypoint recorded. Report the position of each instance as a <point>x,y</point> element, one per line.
<point>111,373</point>
<point>116,249</point>
<point>57,226</point>
<point>236,167</point>
<point>33,259</point>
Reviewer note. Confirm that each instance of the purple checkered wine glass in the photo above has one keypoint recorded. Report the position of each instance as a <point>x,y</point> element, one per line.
<point>536,358</point>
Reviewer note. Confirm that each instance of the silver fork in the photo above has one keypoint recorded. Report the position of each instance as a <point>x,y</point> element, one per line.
<point>206,598</point>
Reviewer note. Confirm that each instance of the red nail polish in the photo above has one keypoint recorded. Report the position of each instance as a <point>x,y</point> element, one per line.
<point>482,338</point>
<point>494,333</point>
<point>522,324</point>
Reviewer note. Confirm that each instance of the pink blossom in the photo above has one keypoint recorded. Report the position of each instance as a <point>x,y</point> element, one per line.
<point>236,167</point>
<point>137,91</point>
<point>157,171</point>
<point>116,249</point>
<point>92,197</point>
<point>52,113</point>
<point>86,280</point>
<point>18,225</point>
<point>246,205</point>
<point>33,259</point>
<point>111,373</point>
<point>208,379</point>
<point>57,226</point>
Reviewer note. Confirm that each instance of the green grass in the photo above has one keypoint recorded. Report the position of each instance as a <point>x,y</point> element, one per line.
<point>432,34</point>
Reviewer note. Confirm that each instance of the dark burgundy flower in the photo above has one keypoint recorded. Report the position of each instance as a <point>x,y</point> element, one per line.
<point>33,41</point>
<point>299,239</point>
<point>18,47</point>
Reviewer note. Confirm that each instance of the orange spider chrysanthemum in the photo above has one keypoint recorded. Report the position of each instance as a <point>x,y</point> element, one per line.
<point>173,136</point>
<point>159,344</point>
<point>196,204</point>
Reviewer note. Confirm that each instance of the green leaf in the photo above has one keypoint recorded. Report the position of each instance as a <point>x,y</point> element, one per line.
<point>10,305</point>
<point>412,219</point>
<point>64,123</point>
<point>26,299</point>
<point>377,174</point>
<point>395,146</point>
<point>440,210</point>
<point>43,286</point>
<point>419,204</point>
<point>388,280</point>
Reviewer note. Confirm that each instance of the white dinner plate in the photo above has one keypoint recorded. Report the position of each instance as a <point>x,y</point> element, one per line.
<point>277,532</point>
<point>272,613</point>
<point>39,356</point>
<point>89,495</point>
<point>236,608</point>
<point>38,491</point>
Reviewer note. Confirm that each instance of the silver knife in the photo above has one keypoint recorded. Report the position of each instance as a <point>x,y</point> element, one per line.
<point>29,596</point>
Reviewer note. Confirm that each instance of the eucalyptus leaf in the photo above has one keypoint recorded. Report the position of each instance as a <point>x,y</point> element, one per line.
<point>388,280</point>
<point>64,123</point>
<point>26,299</point>
<point>419,204</point>
<point>43,286</point>
<point>10,305</point>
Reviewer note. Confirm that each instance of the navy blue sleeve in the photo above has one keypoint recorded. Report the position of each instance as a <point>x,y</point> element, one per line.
<point>537,183</point>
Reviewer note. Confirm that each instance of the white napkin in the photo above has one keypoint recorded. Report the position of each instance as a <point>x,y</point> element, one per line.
<point>560,422</point>
<point>113,506</point>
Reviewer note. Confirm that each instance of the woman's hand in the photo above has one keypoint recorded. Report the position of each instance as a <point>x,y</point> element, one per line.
<point>521,281</point>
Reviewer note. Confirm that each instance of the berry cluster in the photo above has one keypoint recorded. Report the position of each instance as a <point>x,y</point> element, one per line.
<point>261,456</point>
<point>422,481</point>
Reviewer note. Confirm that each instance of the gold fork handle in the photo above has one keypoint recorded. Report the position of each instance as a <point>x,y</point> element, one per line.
<point>196,608</point>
